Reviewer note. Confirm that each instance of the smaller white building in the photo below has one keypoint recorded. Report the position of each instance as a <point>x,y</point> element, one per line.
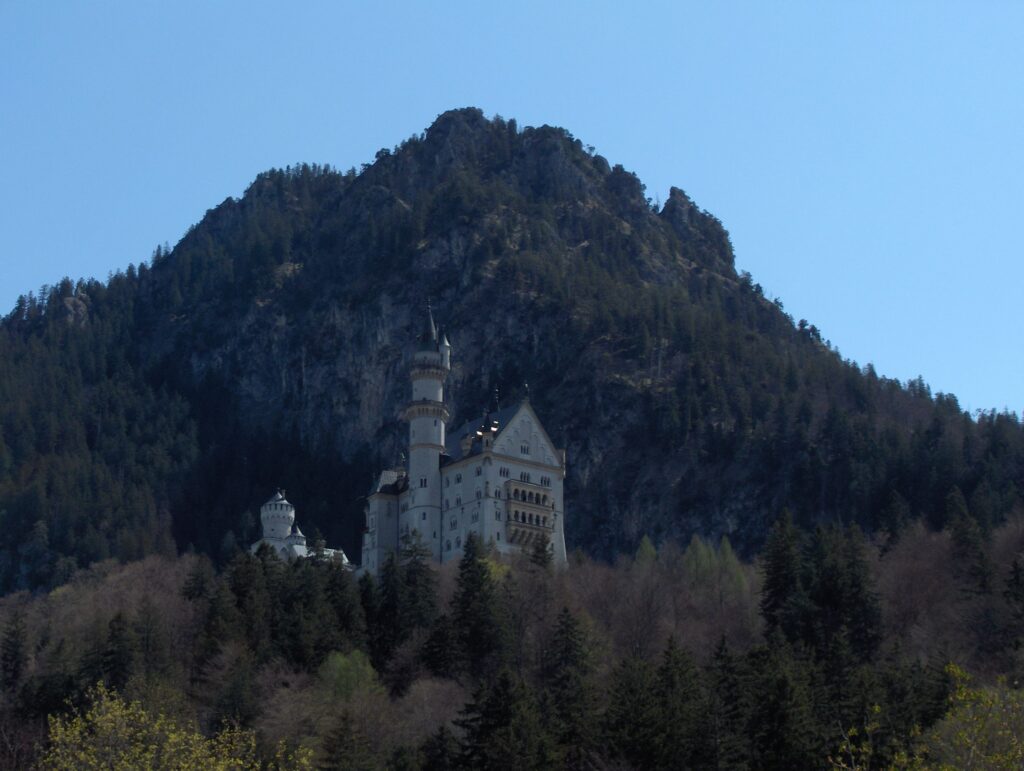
<point>282,534</point>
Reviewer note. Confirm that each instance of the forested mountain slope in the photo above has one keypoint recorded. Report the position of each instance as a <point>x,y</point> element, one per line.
<point>270,346</point>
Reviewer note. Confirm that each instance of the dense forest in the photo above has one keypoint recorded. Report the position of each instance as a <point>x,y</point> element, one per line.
<point>152,413</point>
<point>831,652</point>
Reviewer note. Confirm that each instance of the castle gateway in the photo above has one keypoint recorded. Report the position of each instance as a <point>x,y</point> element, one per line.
<point>500,476</point>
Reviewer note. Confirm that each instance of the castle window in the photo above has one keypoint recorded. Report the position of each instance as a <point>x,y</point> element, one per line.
<point>515,494</point>
<point>458,500</point>
<point>458,543</point>
<point>423,516</point>
<point>497,493</point>
<point>446,505</point>
<point>530,497</point>
<point>448,545</point>
<point>524,449</point>
<point>447,481</point>
<point>479,471</point>
<point>423,481</point>
<point>545,500</point>
<point>499,536</point>
<point>454,523</point>
<point>497,515</point>
<point>458,478</point>
<point>503,472</point>
<point>545,521</point>
<point>478,494</point>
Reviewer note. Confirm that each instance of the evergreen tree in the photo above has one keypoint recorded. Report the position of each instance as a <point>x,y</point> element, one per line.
<point>440,651</point>
<point>970,550</point>
<point>440,752</point>
<point>569,693</point>
<point>781,725</point>
<point>420,584</point>
<point>726,735</point>
<point>13,651</point>
<point>629,724</point>
<point>680,731</point>
<point>502,729</point>
<point>119,652</point>
<point>475,613</point>
<point>782,592</point>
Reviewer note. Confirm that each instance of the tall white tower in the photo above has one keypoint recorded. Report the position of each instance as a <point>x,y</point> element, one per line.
<point>427,416</point>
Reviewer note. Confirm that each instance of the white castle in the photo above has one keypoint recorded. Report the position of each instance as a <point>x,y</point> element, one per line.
<point>500,476</point>
<point>282,534</point>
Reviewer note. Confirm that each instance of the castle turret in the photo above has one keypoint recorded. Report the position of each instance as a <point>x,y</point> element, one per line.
<point>277,516</point>
<point>427,416</point>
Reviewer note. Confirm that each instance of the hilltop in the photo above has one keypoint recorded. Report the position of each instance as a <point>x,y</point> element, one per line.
<point>270,346</point>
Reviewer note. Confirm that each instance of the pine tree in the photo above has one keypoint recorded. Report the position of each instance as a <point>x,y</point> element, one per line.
<point>119,652</point>
<point>629,724</point>
<point>970,550</point>
<point>440,651</point>
<point>781,723</point>
<point>726,735</point>
<point>680,730</point>
<point>13,651</point>
<point>782,591</point>
<point>475,613</point>
<point>440,752</point>
<point>502,729</point>
<point>567,672</point>
<point>420,583</point>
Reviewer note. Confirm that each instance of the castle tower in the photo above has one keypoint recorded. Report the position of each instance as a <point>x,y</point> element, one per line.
<point>277,517</point>
<point>427,416</point>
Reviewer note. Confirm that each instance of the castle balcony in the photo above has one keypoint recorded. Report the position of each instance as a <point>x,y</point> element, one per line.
<point>425,408</point>
<point>529,512</point>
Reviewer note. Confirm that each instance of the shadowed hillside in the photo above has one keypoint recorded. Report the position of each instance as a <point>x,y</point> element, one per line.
<point>271,344</point>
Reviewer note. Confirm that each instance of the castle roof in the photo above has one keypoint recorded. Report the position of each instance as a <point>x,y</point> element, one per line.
<point>389,482</point>
<point>453,441</point>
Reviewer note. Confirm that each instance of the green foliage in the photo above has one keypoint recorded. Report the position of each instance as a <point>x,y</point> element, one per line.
<point>476,615</point>
<point>122,736</point>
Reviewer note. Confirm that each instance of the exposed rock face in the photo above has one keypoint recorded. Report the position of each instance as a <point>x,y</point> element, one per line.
<point>506,233</point>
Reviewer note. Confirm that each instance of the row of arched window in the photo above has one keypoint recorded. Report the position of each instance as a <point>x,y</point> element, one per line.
<point>530,497</point>
<point>530,518</point>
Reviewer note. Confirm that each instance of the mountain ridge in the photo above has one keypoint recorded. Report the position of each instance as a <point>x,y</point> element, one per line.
<point>272,344</point>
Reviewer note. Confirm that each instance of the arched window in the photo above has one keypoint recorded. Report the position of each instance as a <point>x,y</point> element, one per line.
<point>515,494</point>
<point>530,497</point>
<point>545,521</point>
<point>458,542</point>
<point>545,500</point>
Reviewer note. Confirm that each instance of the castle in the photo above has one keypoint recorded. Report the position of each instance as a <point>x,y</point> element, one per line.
<point>500,476</point>
<point>282,534</point>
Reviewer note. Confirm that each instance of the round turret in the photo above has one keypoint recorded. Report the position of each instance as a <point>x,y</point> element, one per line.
<point>277,516</point>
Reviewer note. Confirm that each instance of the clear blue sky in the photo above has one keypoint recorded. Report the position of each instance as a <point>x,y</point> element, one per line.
<point>866,157</point>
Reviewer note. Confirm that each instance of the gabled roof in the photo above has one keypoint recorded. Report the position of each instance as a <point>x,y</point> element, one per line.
<point>453,441</point>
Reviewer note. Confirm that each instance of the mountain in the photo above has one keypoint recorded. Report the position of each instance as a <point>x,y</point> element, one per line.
<point>270,346</point>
